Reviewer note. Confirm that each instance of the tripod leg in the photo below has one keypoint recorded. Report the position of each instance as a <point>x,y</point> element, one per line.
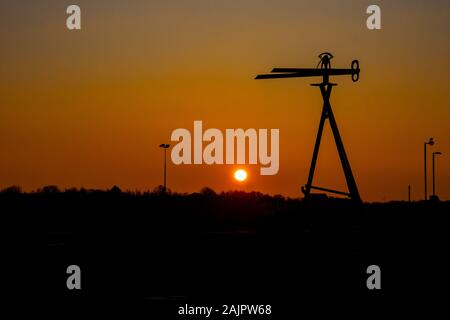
<point>307,189</point>
<point>351,184</point>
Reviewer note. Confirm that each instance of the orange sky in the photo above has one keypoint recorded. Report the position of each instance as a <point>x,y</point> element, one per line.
<point>90,108</point>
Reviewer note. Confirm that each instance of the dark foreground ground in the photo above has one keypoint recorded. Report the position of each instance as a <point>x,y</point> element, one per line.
<point>153,253</point>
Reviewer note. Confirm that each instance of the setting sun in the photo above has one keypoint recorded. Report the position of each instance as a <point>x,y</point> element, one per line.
<point>240,175</point>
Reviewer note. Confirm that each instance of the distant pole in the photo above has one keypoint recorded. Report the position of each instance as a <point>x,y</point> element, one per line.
<point>409,193</point>
<point>165,170</point>
<point>164,146</point>
<point>430,142</point>
<point>434,184</point>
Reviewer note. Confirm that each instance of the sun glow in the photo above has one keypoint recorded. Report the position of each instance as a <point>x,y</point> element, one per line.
<point>240,175</point>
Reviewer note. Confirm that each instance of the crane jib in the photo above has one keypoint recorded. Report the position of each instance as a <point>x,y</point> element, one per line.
<point>278,73</point>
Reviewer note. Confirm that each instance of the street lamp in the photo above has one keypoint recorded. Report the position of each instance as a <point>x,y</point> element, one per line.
<point>430,142</point>
<point>165,147</point>
<point>434,193</point>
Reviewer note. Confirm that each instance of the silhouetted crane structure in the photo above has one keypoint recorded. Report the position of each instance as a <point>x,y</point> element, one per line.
<point>324,70</point>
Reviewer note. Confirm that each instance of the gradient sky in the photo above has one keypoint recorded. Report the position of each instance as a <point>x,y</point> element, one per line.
<point>90,108</point>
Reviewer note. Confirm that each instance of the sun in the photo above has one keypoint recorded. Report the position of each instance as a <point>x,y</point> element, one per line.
<point>240,175</point>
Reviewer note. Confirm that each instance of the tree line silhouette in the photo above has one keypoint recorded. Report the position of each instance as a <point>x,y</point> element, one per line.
<point>229,244</point>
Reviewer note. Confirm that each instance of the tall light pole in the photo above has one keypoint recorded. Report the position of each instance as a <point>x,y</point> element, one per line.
<point>430,142</point>
<point>434,186</point>
<point>165,147</point>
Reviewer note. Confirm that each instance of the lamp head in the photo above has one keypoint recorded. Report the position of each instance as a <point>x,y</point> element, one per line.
<point>430,142</point>
<point>438,152</point>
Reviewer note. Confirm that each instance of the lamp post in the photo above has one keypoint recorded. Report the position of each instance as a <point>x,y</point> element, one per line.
<point>430,142</point>
<point>434,186</point>
<point>165,147</point>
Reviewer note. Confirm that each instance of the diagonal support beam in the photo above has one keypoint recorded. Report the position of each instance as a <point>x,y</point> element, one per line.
<point>307,189</point>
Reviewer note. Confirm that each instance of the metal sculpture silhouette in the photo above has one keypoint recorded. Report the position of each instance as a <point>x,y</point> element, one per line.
<point>324,70</point>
